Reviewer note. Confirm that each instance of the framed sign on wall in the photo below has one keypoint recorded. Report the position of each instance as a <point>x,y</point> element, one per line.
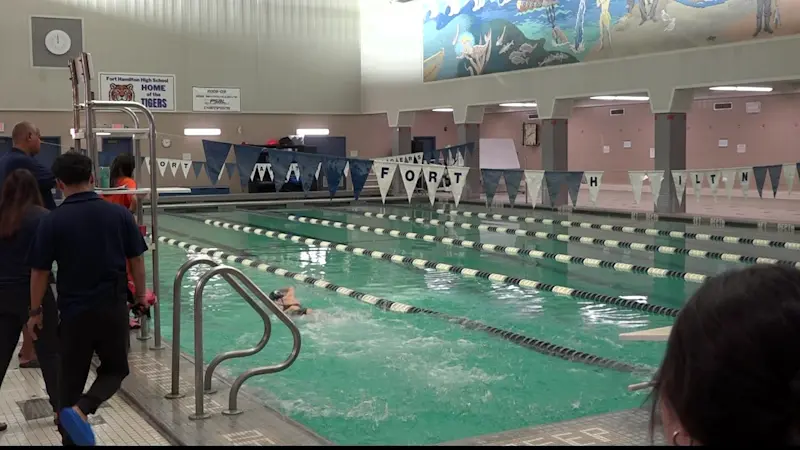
<point>530,134</point>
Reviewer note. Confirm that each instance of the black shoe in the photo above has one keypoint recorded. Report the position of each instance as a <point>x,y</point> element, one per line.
<point>3,427</point>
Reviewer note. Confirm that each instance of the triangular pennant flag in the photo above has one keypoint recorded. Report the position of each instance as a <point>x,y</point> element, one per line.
<point>186,166</point>
<point>593,181</point>
<point>458,178</point>
<point>636,178</point>
<point>307,164</point>
<point>141,161</point>
<point>789,173</point>
<point>533,182</point>
<point>384,172</point>
<point>656,179</point>
<point>491,178</point>
<point>261,169</point>
<point>216,154</point>
<point>174,165</point>
<point>253,173</point>
<point>271,173</point>
<point>346,171</point>
<point>744,180</point>
<point>775,177</point>
<point>760,173</point>
<point>319,167</point>
<point>246,159</point>
<point>334,168</point>
<point>679,178</point>
<point>198,167</point>
<point>433,176</point>
<point>359,171</point>
<point>697,183</point>
<point>280,162</point>
<point>713,177</point>
<point>729,178</point>
<point>229,167</point>
<point>553,181</point>
<point>410,175</point>
<point>574,185</point>
<point>513,180</point>
<point>163,163</point>
<point>147,164</point>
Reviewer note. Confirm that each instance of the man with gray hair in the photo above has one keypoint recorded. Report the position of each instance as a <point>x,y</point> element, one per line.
<point>27,142</point>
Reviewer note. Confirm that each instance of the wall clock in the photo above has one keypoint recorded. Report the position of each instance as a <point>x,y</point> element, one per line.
<point>530,134</point>
<point>57,42</point>
<point>166,143</point>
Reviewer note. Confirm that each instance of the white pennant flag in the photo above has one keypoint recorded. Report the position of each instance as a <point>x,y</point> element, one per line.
<point>679,180</point>
<point>261,169</point>
<point>271,173</point>
<point>744,176</point>
<point>656,178</point>
<point>253,172</point>
<point>458,178</point>
<point>729,178</point>
<point>219,177</point>
<point>713,177</point>
<point>697,183</point>
<point>186,166</point>
<point>147,164</point>
<point>789,172</point>
<point>533,182</point>
<point>384,172</point>
<point>162,165</point>
<point>637,180</point>
<point>410,174</point>
<point>174,165</point>
<point>418,158</point>
<point>292,170</point>
<point>346,171</point>
<point>593,180</point>
<point>319,167</point>
<point>433,176</point>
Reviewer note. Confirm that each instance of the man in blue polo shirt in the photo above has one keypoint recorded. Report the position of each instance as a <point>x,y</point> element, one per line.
<point>91,240</point>
<point>27,142</point>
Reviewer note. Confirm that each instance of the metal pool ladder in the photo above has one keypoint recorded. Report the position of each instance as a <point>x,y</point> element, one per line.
<point>202,384</point>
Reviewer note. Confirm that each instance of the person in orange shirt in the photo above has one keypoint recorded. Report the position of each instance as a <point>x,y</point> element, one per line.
<point>122,176</point>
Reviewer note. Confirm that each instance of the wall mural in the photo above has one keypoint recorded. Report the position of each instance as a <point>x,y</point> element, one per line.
<point>476,37</point>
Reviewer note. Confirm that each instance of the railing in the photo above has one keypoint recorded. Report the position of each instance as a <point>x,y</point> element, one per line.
<point>239,281</point>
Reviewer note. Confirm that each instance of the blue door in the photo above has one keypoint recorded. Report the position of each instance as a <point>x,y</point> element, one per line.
<point>330,146</point>
<point>426,145</point>
<point>113,147</point>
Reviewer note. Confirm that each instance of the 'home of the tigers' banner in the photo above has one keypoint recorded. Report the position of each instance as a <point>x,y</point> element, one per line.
<point>156,92</point>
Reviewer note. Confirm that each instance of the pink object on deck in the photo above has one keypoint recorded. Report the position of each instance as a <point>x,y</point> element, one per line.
<point>143,229</point>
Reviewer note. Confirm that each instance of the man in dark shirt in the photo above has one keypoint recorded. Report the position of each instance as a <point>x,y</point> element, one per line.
<point>27,142</point>
<point>91,240</point>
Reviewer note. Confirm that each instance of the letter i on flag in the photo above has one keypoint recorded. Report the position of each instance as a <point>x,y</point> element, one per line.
<point>593,180</point>
<point>679,178</point>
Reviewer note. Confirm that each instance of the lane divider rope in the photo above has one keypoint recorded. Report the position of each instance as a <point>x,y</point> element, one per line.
<point>630,230</point>
<point>611,243</point>
<point>530,343</point>
<point>442,267</point>
<point>654,272</point>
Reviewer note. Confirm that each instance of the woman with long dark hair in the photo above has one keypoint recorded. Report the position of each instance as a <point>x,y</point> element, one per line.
<point>121,174</point>
<point>21,209</point>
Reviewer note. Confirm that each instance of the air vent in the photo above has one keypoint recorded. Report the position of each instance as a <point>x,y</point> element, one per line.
<point>617,112</point>
<point>533,116</point>
<point>725,106</point>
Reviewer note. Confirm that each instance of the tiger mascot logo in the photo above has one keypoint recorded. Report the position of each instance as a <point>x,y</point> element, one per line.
<point>121,92</point>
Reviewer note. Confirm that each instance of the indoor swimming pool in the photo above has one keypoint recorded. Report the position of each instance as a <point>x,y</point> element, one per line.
<point>370,376</point>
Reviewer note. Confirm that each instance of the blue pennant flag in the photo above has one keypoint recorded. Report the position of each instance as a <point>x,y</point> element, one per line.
<point>140,162</point>
<point>198,167</point>
<point>307,163</point>
<point>513,180</point>
<point>359,171</point>
<point>554,180</point>
<point>428,154</point>
<point>775,177</point>
<point>229,168</point>
<point>491,177</point>
<point>216,154</point>
<point>760,172</point>
<point>469,147</point>
<point>246,159</point>
<point>280,161</point>
<point>574,185</point>
<point>334,169</point>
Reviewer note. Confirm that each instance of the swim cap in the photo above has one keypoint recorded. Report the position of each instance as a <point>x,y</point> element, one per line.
<point>276,295</point>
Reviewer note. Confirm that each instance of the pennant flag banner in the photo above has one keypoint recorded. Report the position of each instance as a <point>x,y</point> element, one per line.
<point>186,166</point>
<point>162,165</point>
<point>789,172</point>
<point>229,167</point>
<point>147,164</point>
<point>697,183</point>
<point>174,165</point>
<point>246,159</point>
<point>636,178</point>
<point>713,177</point>
<point>744,180</point>
<point>554,181</point>
<point>760,174</point>
<point>334,170</point>
<point>433,174</point>
<point>679,178</point>
<point>458,178</point>
<point>775,178</point>
<point>198,167</point>
<point>593,180</point>
<point>410,175</point>
<point>533,182</point>
<point>216,154</point>
<point>280,162</point>
<point>656,178</point>
<point>359,171</point>
<point>513,180</point>
<point>574,185</point>
<point>491,178</point>
<point>729,178</point>
<point>308,165</point>
<point>384,172</point>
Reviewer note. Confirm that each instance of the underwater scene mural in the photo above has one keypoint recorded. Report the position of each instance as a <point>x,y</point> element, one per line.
<point>464,38</point>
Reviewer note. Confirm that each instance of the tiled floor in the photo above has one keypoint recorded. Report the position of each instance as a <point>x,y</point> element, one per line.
<point>24,407</point>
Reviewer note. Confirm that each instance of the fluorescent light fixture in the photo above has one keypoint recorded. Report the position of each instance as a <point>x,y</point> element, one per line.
<point>741,88</point>
<point>202,132</point>
<point>518,105</point>
<point>102,133</point>
<point>313,132</point>
<point>621,98</point>
<point>442,110</point>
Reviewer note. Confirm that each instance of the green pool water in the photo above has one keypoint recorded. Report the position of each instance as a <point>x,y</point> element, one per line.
<point>367,376</point>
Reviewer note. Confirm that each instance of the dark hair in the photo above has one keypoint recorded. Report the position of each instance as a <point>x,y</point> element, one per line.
<point>122,166</point>
<point>19,193</point>
<point>72,168</point>
<point>731,372</point>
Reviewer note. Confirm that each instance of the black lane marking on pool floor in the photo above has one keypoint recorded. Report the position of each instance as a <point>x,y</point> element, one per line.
<point>539,346</point>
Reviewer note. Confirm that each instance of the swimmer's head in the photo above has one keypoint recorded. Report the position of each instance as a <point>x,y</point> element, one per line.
<point>278,294</point>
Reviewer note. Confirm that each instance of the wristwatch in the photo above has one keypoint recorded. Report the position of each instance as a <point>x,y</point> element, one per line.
<point>35,312</point>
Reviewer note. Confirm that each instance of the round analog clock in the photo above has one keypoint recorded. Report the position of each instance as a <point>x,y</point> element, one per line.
<point>166,143</point>
<point>58,42</point>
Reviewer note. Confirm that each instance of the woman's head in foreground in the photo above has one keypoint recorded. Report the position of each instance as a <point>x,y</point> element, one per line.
<point>731,372</point>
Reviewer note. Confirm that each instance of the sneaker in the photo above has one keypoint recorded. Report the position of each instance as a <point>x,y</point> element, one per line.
<point>78,429</point>
<point>3,427</point>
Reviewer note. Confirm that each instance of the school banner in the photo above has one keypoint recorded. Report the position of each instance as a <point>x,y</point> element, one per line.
<point>156,92</point>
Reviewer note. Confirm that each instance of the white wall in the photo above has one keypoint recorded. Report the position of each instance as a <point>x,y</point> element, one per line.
<point>286,55</point>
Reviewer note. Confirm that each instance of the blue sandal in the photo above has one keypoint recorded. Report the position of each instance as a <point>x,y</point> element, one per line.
<point>78,429</point>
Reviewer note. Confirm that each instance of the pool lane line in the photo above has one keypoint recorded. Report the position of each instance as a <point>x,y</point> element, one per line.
<point>654,272</point>
<point>611,243</point>
<point>530,343</point>
<point>630,230</point>
<point>441,267</point>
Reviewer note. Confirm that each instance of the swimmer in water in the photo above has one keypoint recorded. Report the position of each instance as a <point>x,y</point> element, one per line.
<point>285,299</point>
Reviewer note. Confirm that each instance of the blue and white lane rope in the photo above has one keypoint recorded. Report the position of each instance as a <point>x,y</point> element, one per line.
<point>629,230</point>
<point>530,343</point>
<point>611,243</point>
<point>654,272</point>
<point>442,267</point>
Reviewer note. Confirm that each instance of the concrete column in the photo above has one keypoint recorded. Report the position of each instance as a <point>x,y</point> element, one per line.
<point>468,128</point>
<point>669,108</point>
<point>400,123</point>
<point>553,138</point>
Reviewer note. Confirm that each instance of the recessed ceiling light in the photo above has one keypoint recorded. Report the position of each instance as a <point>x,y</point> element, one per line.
<point>621,98</point>
<point>202,132</point>
<point>518,105</point>
<point>442,110</point>
<point>313,132</point>
<point>742,88</point>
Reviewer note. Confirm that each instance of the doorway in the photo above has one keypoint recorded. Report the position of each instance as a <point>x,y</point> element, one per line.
<point>426,145</point>
<point>113,147</point>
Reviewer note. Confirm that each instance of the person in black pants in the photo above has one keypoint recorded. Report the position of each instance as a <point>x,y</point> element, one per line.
<point>91,240</point>
<point>20,213</point>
